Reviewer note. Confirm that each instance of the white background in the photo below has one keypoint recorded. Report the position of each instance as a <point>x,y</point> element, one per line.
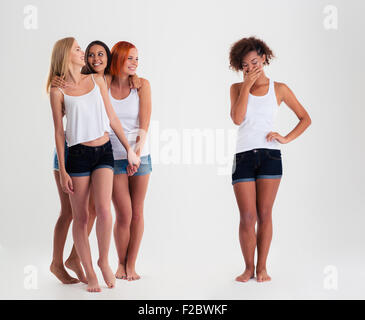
<point>190,248</point>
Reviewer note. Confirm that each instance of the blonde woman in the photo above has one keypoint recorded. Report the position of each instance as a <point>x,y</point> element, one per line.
<point>90,118</point>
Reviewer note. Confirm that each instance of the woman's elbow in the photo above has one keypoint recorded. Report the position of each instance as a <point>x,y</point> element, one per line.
<point>236,120</point>
<point>113,123</point>
<point>308,120</point>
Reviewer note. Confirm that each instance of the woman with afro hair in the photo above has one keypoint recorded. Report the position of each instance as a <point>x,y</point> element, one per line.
<point>257,165</point>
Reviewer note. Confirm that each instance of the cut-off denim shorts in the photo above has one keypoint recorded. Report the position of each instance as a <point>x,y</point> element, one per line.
<point>257,164</point>
<point>83,160</point>
<point>120,166</point>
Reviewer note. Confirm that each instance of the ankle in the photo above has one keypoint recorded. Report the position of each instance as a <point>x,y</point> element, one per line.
<point>130,265</point>
<point>122,263</point>
<point>250,268</point>
<point>71,259</point>
<point>103,263</point>
<point>57,264</point>
<point>260,268</point>
<point>90,275</point>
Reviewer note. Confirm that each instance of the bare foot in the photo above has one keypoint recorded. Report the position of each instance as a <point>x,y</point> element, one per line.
<point>108,274</point>
<point>60,272</point>
<point>121,273</point>
<point>132,274</point>
<point>93,285</point>
<point>262,276</point>
<point>247,275</point>
<point>76,267</point>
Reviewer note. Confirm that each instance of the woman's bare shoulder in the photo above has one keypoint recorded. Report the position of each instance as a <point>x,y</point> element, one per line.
<point>236,86</point>
<point>145,85</point>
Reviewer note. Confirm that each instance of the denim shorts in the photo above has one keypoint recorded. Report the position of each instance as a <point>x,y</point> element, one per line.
<point>120,166</point>
<point>257,164</point>
<point>83,160</point>
<point>55,159</point>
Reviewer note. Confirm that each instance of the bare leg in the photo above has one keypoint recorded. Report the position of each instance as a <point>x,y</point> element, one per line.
<point>79,203</point>
<point>73,262</point>
<point>138,188</point>
<point>246,200</point>
<point>266,190</point>
<point>102,186</point>
<point>60,234</point>
<point>123,210</point>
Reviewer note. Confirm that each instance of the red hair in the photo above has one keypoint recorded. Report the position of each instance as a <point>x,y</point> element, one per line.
<point>119,54</point>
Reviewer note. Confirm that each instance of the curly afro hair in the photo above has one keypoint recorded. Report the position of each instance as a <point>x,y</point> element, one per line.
<point>240,48</point>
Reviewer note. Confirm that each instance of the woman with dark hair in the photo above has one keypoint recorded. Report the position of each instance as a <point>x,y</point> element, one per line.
<point>97,61</point>
<point>257,164</point>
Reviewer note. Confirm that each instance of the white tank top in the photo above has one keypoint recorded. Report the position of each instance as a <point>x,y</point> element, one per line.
<point>258,122</point>
<point>86,117</point>
<point>127,110</point>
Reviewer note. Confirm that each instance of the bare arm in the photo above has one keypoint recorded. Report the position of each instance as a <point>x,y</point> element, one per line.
<point>286,95</point>
<point>239,97</point>
<point>56,99</point>
<point>108,78</point>
<point>144,116</point>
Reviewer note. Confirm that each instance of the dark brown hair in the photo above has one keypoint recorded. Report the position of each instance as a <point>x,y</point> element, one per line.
<point>240,48</point>
<point>87,68</point>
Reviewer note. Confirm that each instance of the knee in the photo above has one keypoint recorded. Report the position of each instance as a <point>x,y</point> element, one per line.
<point>248,220</point>
<point>137,213</point>
<point>81,219</point>
<point>137,216</point>
<point>65,214</point>
<point>264,216</point>
<point>123,219</point>
<point>103,212</point>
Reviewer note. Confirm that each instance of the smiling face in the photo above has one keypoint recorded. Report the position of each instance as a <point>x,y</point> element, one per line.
<point>131,62</point>
<point>77,55</point>
<point>252,60</point>
<point>97,58</point>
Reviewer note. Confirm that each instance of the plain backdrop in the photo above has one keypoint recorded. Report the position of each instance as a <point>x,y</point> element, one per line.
<point>190,248</point>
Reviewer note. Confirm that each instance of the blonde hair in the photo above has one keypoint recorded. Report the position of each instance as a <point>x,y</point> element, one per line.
<point>60,59</point>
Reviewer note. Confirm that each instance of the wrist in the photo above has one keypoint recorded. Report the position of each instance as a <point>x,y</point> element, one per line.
<point>246,86</point>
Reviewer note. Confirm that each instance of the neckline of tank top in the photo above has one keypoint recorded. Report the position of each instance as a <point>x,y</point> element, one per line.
<point>267,93</point>
<point>120,100</point>
<point>83,95</point>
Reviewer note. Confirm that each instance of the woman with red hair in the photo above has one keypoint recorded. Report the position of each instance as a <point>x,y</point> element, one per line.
<point>133,108</point>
